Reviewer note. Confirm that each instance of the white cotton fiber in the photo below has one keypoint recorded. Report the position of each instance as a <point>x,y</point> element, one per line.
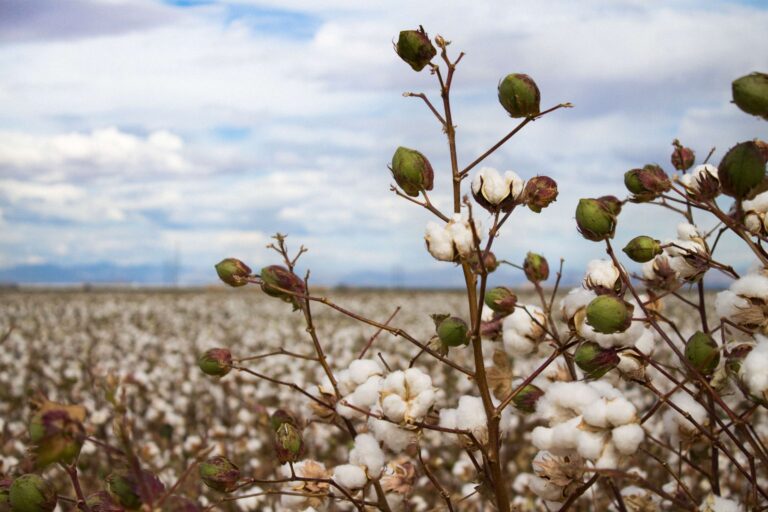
<point>754,369</point>
<point>627,438</point>
<point>367,453</point>
<point>752,285</point>
<point>350,476</point>
<point>620,412</point>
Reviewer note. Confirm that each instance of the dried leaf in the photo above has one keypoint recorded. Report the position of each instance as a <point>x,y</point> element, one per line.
<point>500,375</point>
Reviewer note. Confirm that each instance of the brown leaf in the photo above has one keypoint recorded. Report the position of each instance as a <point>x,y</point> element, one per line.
<point>500,375</point>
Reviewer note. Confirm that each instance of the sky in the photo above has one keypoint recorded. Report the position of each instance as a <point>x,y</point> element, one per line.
<point>135,134</point>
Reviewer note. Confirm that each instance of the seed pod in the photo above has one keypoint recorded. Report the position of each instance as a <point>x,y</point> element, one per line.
<point>278,281</point>
<point>741,169</point>
<point>288,441</point>
<point>642,249</point>
<point>539,192</point>
<point>750,94</point>
<point>412,171</point>
<point>233,272</point>
<point>101,501</point>
<point>608,314</point>
<point>525,400</point>
<point>682,158</point>
<point>415,48</point>
<point>646,183</point>
<point>453,332</point>
<point>536,267</point>
<point>489,261</point>
<point>501,300</point>
<point>594,220</point>
<point>594,360</point>
<point>702,352</point>
<point>216,362</point>
<point>219,474</point>
<point>30,493</point>
<point>57,433</point>
<point>611,203</point>
<point>519,95</point>
<point>126,490</point>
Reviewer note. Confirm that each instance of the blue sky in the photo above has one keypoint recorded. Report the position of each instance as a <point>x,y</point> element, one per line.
<point>131,131</point>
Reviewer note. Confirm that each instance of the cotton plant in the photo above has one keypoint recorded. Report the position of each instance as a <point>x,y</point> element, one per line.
<point>584,397</point>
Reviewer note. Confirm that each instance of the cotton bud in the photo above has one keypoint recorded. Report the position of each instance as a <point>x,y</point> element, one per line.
<point>525,400</point>
<point>495,192</point>
<point>127,491</point>
<point>30,493</point>
<point>289,444</point>
<point>415,48</point>
<point>412,171</point>
<point>278,281</point>
<point>608,314</point>
<point>539,192</point>
<point>453,332</point>
<point>233,272</point>
<point>595,221</point>
<point>57,433</point>
<point>536,267</point>
<point>489,262</point>
<point>611,203</point>
<point>101,501</point>
<point>594,360</point>
<point>501,299</point>
<point>642,249</point>
<point>750,94</point>
<point>216,362</point>
<point>741,169</point>
<point>219,474</point>
<point>519,95</point>
<point>682,157</point>
<point>647,183</point>
<point>702,352</point>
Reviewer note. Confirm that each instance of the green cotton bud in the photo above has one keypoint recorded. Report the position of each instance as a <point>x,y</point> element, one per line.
<point>519,95</point>
<point>607,314</point>
<point>702,352</point>
<point>642,249</point>
<point>288,441</point>
<point>57,433</point>
<point>127,491</point>
<point>30,493</point>
<point>233,272</point>
<point>216,362</point>
<point>412,171</point>
<point>453,332</point>
<point>219,474</point>
<point>750,94</point>
<point>525,400</point>
<point>594,220</point>
<point>415,48</point>
<point>536,267</point>
<point>647,183</point>
<point>741,169</point>
<point>501,300</point>
<point>594,360</point>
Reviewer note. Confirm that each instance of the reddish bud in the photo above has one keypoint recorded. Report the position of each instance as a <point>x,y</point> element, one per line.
<point>682,158</point>
<point>219,474</point>
<point>536,267</point>
<point>216,362</point>
<point>594,360</point>
<point>539,192</point>
<point>233,272</point>
<point>278,281</point>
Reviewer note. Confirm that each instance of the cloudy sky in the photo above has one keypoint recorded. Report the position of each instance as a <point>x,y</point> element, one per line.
<point>133,132</point>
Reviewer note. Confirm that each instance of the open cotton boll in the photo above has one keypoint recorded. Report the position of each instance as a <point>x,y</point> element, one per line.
<point>754,369</point>
<point>520,331</point>
<point>439,242</point>
<point>541,437</point>
<point>575,300</point>
<point>367,453</point>
<point>545,489</point>
<point>496,188</point>
<point>470,415</point>
<point>394,383</point>
<point>728,304</point>
<point>609,459</point>
<point>601,274</point>
<point>693,180</point>
<point>714,503</point>
<point>448,418</point>
<point>361,369</point>
<point>395,438</point>
<point>417,381</point>
<point>590,444</point>
<point>596,413</point>
<point>605,389</point>
<point>572,395</point>
<point>752,285</point>
<point>678,425</point>
<point>350,476</point>
<point>394,407</point>
<point>627,438</point>
<point>759,203</point>
<point>516,344</point>
<point>565,436</point>
<point>686,231</point>
<point>646,343</point>
<point>620,411</point>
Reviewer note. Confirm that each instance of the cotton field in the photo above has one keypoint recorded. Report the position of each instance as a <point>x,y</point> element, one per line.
<point>88,347</point>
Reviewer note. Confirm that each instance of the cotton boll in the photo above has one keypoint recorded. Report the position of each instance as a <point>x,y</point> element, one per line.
<point>728,304</point>
<point>419,406</point>
<point>367,453</point>
<point>609,458</point>
<point>572,395</point>
<point>417,381</point>
<point>754,369</point>
<point>393,437</point>
<point>686,231</point>
<point>590,444</point>
<point>394,407</point>
<point>367,393</point>
<point>361,369</point>
<point>575,300</point>
<point>470,415</point>
<point>439,242</point>
<point>627,438</point>
<point>394,383</point>
<point>516,344</point>
<point>350,476</point>
<point>605,389</point>
<point>596,414</point>
<point>565,436</point>
<point>601,274</point>
<point>620,412</point>
<point>448,418</point>
<point>678,425</point>
<point>714,503</point>
<point>646,343</point>
<point>752,285</point>
<point>541,437</point>
<point>545,489</point>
